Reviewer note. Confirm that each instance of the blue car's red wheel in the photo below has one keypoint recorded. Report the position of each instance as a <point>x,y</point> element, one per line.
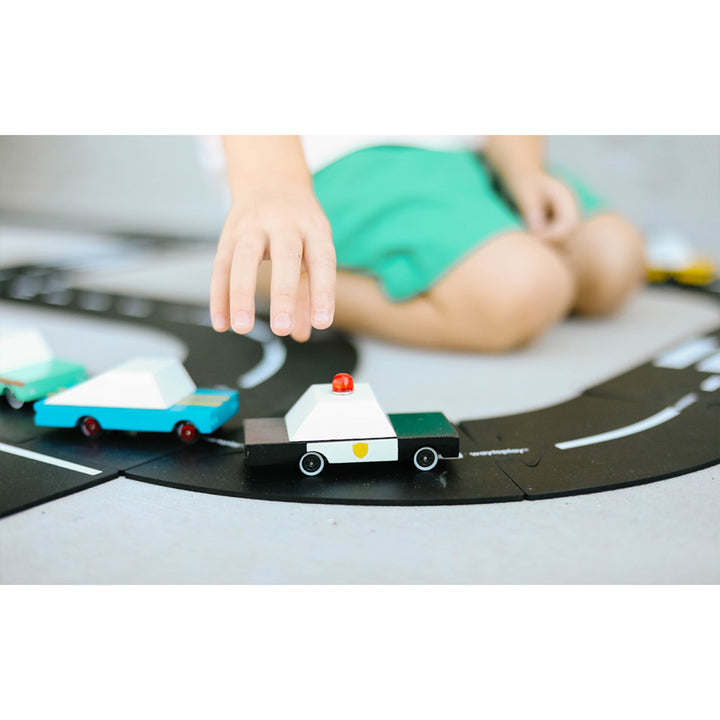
<point>187,432</point>
<point>89,427</point>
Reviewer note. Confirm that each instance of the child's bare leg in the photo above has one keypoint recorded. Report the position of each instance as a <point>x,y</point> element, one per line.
<point>606,256</point>
<point>504,295</point>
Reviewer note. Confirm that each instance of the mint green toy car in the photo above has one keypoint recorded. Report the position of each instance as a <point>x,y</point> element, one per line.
<point>28,372</point>
<point>38,381</point>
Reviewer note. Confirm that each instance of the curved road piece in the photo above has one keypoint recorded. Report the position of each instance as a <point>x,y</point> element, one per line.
<point>657,420</point>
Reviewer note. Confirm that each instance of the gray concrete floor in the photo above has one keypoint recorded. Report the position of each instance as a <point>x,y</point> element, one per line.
<point>129,532</point>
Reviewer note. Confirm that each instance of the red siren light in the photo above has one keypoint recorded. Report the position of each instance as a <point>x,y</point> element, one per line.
<point>343,383</point>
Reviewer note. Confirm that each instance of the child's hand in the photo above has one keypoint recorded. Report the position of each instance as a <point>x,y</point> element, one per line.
<point>548,207</point>
<point>286,225</point>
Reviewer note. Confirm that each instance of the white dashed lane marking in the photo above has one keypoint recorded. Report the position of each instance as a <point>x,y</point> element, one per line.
<point>274,356</point>
<point>711,364</point>
<point>684,355</point>
<point>650,422</point>
<point>710,384</point>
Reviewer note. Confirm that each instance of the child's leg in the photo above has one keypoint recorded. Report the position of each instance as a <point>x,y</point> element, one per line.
<point>606,257</point>
<point>502,296</point>
<point>506,293</point>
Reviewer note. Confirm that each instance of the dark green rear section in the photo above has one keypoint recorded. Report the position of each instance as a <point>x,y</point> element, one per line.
<point>416,430</point>
<point>421,424</point>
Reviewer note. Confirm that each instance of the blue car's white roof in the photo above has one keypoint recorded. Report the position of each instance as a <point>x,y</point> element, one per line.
<point>141,383</point>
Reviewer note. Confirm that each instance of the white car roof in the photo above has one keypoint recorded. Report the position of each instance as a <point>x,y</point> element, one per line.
<point>141,383</point>
<point>21,347</point>
<point>320,414</point>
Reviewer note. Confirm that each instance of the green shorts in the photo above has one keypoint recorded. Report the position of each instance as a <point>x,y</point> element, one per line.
<point>406,216</point>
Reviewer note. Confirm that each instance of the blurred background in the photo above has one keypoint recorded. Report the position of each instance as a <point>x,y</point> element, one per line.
<point>168,185</point>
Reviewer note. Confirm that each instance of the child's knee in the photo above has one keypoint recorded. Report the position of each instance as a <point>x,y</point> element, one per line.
<point>536,299</point>
<point>616,264</point>
<point>507,303</point>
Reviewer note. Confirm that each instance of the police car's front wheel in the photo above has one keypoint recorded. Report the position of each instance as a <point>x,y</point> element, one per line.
<point>312,463</point>
<point>425,458</point>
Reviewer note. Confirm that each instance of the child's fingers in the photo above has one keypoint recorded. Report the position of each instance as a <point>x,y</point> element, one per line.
<point>286,251</point>
<point>247,256</point>
<point>303,328</point>
<point>220,290</point>
<point>220,281</point>
<point>321,263</point>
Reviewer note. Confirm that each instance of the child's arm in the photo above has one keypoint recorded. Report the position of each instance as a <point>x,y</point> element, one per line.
<point>274,216</point>
<point>548,206</point>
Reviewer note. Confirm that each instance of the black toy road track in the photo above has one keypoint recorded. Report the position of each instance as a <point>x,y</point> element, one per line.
<point>658,420</point>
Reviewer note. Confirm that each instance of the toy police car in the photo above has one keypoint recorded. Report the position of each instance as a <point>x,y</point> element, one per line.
<point>342,422</point>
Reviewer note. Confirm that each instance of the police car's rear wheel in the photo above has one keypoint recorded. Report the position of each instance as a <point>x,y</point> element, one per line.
<point>187,432</point>
<point>425,458</point>
<point>90,427</point>
<point>13,400</point>
<point>312,463</point>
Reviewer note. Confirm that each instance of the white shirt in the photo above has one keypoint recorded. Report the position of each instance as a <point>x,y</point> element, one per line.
<point>321,150</point>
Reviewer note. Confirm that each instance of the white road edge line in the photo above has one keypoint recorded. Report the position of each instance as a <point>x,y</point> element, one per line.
<point>48,459</point>
<point>653,421</point>
<point>274,356</point>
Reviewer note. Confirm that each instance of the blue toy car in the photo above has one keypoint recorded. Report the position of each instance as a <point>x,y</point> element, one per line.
<point>142,395</point>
